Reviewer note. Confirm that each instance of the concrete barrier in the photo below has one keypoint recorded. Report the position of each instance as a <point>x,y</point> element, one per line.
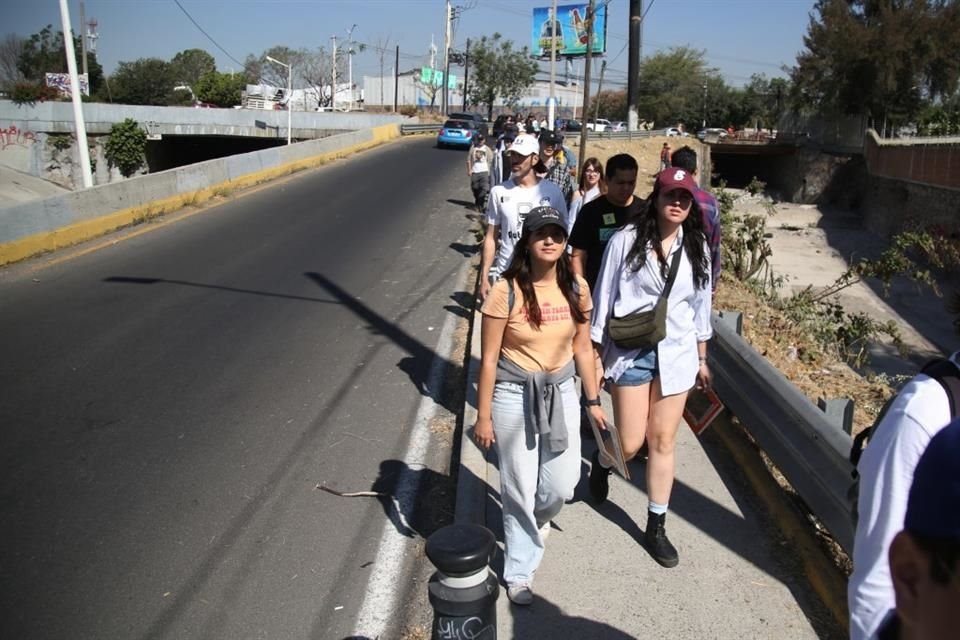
<point>53,223</point>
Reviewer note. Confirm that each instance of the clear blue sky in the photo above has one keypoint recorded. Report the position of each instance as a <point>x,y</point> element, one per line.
<point>741,37</point>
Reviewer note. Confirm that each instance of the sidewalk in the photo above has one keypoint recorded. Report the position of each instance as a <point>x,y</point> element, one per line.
<point>736,578</point>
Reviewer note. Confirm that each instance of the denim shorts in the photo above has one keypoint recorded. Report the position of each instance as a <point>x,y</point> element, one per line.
<point>643,370</point>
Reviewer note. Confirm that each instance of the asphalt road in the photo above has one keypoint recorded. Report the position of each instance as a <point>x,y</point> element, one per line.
<point>169,403</point>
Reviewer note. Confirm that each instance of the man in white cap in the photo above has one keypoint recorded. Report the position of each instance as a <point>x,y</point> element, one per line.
<point>510,202</point>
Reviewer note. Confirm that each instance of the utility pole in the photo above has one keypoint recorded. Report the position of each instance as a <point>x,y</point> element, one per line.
<point>552,102</point>
<point>333,85</point>
<point>350,64</point>
<point>446,57</point>
<point>75,96</point>
<point>586,79</point>
<point>596,106</point>
<point>466,73</point>
<point>83,38</point>
<point>704,105</point>
<point>633,64</point>
<point>396,81</point>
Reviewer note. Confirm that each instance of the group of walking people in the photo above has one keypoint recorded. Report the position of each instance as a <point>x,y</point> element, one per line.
<point>601,284</point>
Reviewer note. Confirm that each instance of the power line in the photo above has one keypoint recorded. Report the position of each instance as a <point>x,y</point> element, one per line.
<point>209,37</point>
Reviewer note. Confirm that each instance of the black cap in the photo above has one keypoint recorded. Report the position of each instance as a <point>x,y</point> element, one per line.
<point>541,217</point>
<point>548,136</point>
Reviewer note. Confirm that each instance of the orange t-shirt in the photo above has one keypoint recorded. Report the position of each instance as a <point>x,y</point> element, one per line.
<point>549,347</point>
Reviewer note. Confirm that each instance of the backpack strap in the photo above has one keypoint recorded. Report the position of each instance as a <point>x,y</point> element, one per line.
<point>947,374</point>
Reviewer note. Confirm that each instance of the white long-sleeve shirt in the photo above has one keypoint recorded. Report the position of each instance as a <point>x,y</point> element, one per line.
<point>620,291</point>
<point>920,410</point>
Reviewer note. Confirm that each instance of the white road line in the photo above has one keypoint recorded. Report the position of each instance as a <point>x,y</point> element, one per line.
<point>379,603</point>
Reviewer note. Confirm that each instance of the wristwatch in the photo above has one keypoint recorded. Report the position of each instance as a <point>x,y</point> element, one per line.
<point>591,403</point>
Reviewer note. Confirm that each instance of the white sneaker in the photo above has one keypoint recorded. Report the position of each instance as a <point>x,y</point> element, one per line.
<point>520,594</point>
<point>544,531</point>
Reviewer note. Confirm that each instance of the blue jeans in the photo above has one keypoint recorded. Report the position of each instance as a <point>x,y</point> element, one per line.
<point>534,481</point>
<point>644,369</point>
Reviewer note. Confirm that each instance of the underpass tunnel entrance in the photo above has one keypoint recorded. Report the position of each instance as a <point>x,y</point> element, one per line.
<point>176,151</point>
<point>779,169</point>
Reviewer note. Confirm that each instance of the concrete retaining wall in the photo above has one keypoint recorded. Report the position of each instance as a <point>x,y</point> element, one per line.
<point>891,205</point>
<point>57,117</point>
<point>44,225</point>
<point>929,161</point>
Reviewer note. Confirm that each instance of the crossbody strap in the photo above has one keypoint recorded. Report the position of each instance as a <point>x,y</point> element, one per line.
<point>674,267</point>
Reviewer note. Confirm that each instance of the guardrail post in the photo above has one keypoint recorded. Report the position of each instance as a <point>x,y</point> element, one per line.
<point>463,591</point>
<point>734,320</point>
<point>840,412</point>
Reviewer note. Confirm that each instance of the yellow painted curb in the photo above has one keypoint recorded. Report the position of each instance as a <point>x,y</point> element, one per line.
<point>76,233</point>
<point>825,579</point>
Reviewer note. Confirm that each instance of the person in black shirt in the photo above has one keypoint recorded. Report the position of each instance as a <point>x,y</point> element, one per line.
<point>600,218</point>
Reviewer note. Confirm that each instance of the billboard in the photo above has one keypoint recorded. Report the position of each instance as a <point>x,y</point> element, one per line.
<point>434,77</point>
<point>568,30</point>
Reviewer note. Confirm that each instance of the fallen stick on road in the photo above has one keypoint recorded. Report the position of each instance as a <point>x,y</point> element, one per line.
<point>352,494</point>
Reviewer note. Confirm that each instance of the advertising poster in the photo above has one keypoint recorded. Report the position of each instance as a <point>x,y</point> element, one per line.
<point>568,31</point>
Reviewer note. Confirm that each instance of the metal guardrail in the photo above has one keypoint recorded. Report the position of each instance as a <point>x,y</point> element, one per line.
<point>408,129</point>
<point>799,439</point>
<point>618,135</point>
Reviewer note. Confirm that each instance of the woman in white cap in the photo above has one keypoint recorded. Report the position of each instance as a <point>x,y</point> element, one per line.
<point>663,253</point>
<point>535,334</point>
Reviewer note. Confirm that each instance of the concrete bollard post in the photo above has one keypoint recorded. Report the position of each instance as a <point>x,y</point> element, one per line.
<point>840,412</point>
<point>463,591</point>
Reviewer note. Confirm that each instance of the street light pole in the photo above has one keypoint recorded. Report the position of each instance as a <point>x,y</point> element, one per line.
<point>350,64</point>
<point>289,93</point>
<point>704,105</point>
<point>85,168</point>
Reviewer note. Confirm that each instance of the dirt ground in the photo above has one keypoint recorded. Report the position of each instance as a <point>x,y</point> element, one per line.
<point>645,150</point>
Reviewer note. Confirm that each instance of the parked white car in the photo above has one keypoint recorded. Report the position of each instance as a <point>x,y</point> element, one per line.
<point>673,132</point>
<point>600,124</point>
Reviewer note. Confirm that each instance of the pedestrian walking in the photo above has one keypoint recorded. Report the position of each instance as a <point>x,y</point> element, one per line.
<point>664,156</point>
<point>555,162</point>
<point>924,557</point>
<point>535,334</point>
<point>509,204</point>
<point>652,321</point>
<point>924,406</point>
<point>686,158</point>
<point>591,186</point>
<point>479,161</point>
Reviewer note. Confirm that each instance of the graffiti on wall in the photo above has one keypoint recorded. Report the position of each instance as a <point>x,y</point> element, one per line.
<point>61,81</point>
<point>14,137</point>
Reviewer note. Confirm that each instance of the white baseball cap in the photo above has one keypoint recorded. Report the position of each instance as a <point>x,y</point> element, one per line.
<point>525,145</point>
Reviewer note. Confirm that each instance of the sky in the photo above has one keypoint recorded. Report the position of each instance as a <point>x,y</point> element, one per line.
<point>740,37</point>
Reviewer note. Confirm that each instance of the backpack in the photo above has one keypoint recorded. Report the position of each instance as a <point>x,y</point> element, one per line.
<point>944,372</point>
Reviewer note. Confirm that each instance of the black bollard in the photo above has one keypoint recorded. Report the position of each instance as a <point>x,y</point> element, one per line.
<point>463,591</point>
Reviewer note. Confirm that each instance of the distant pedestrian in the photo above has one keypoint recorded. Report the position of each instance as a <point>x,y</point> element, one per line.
<point>500,169</point>
<point>924,557</point>
<point>535,336</point>
<point>509,204</point>
<point>923,407</point>
<point>686,158</point>
<point>664,156</point>
<point>479,161</point>
<point>662,252</point>
<point>591,186</point>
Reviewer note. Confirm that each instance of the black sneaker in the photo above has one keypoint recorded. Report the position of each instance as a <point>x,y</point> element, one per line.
<point>656,541</point>
<point>599,479</point>
<point>644,451</point>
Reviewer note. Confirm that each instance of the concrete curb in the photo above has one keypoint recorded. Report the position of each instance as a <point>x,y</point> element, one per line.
<point>63,220</point>
<point>472,481</point>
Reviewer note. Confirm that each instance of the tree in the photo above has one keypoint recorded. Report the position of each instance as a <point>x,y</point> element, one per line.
<point>125,147</point>
<point>10,49</point>
<point>190,65</point>
<point>612,105</point>
<point>316,72</point>
<point>146,81</point>
<point>221,89</point>
<point>499,71</point>
<point>885,59</point>
<point>44,53</point>
<point>671,86</point>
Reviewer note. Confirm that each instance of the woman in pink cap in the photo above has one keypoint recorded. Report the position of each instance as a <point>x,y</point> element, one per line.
<point>662,252</point>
